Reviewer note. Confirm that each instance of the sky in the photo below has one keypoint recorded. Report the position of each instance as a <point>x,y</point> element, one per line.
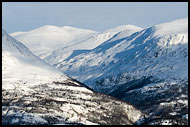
<point>97,16</point>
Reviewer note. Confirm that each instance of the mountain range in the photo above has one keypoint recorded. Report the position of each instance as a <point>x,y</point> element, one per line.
<point>143,67</point>
<point>34,92</point>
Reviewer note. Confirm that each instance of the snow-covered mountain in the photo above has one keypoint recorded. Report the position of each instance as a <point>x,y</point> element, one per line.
<point>45,39</point>
<point>56,44</point>
<point>60,56</point>
<point>68,52</point>
<point>147,66</point>
<point>33,92</point>
<point>159,51</point>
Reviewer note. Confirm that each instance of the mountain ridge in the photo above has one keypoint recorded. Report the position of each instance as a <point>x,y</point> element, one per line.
<point>130,45</point>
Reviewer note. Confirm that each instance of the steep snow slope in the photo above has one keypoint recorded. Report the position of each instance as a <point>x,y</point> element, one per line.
<point>48,38</point>
<point>148,68</point>
<point>35,93</point>
<point>57,57</point>
<point>19,59</point>
<point>66,53</point>
<point>98,39</point>
<point>159,51</point>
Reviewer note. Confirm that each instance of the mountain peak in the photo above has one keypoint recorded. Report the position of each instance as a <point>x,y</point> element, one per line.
<point>49,38</point>
<point>172,27</point>
<point>69,27</point>
<point>124,27</point>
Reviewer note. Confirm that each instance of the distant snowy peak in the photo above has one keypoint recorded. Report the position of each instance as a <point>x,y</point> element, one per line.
<point>159,51</point>
<point>74,28</point>
<point>68,52</point>
<point>166,34</point>
<point>123,31</point>
<point>99,38</point>
<point>124,27</point>
<point>170,33</point>
<point>61,29</point>
<point>46,39</point>
<point>49,38</point>
<point>179,26</point>
<point>95,40</point>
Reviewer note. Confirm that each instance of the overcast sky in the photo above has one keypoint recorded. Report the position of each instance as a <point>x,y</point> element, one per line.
<point>98,16</point>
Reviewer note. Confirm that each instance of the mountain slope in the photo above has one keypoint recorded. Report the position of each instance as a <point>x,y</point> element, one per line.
<point>17,58</point>
<point>149,52</point>
<point>58,57</point>
<point>148,68</point>
<point>35,93</point>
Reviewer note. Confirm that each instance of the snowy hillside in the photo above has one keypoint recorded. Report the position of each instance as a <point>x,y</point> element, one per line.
<point>35,93</point>
<point>148,66</point>
<point>48,38</point>
<point>68,52</point>
<point>17,58</point>
<point>159,51</point>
